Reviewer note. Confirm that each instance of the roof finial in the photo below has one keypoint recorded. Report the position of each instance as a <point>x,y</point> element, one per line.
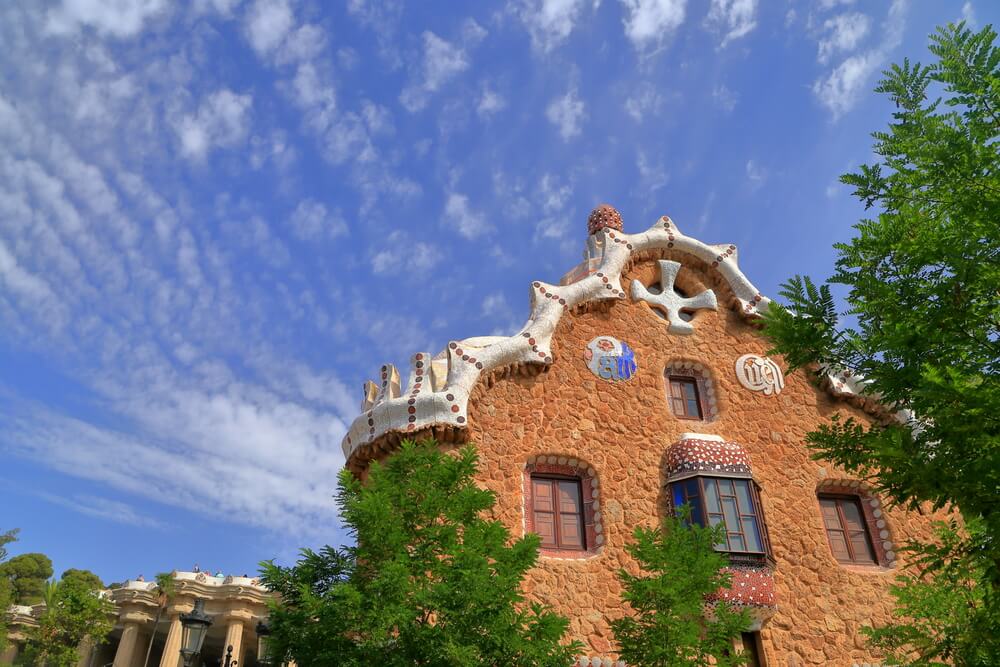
<point>605,215</point>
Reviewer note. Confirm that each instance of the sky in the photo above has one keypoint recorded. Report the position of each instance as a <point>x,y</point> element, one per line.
<point>219,218</point>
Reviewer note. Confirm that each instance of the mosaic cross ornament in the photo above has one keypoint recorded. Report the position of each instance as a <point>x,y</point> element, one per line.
<point>670,302</point>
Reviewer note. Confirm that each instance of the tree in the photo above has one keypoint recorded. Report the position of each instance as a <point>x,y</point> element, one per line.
<point>429,581</point>
<point>165,585</point>
<point>921,279</point>
<point>6,590</point>
<point>27,574</point>
<point>5,539</point>
<point>86,577</point>
<point>77,612</point>
<point>673,625</point>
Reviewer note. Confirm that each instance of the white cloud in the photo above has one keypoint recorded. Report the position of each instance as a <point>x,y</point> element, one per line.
<point>755,174</point>
<point>652,177</point>
<point>969,15</point>
<point>841,88</point>
<point>724,97</point>
<point>650,22</point>
<point>733,18</point>
<point>830,4</point>
<point>221,121</point>
<point>490,102</point>
<point>550,22</point>
<point>645,99</point>
<point>311,221</point>
<point>442,61</point>
<point>267,23</point>
<point>101,508</point>
<point>377,118</point>
<point>118,18</point>
<point>400,255</point>
<point>843,33</point>
<point>459,215</point>
<point>567,113</point>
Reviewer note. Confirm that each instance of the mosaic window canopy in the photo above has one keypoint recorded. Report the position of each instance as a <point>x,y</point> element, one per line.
<point>672,303</point>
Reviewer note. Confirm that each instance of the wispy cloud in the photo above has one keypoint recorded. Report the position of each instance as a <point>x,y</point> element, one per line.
<point>840,89</point>
<point>567,113</point>
<point>732,18</point>
<point>650,23</point>
<point>550,22</point>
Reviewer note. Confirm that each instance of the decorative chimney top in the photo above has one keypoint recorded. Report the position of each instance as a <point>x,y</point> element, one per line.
<point>605,215</point>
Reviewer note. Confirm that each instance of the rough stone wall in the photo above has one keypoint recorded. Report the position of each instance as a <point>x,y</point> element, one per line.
<point>624,429</point>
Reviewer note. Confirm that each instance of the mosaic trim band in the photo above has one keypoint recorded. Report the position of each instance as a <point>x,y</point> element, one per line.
<point>440,386</point>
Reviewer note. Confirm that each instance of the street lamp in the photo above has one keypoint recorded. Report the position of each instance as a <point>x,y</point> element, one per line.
<point>195,624</point>
<point>263,643</point>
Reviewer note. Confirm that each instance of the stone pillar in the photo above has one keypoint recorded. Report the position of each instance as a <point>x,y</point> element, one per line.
<point>172,646</point>
<point>85,650</point>
<point>234,638</point>
<point>126,647</point>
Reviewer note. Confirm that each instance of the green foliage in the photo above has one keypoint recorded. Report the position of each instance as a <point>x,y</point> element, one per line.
<point>27,574</point>
<point>49,592</point>
<point>6,589</point>
<point>5,539</point>
<point>77,611</point>
<point>86,577</point>
<point>429,582</point>
<point>922,286</point>
<point>952,620</point>
<point>673,626</point>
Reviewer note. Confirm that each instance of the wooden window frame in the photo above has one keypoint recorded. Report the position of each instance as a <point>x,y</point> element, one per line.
<point>686,380</point>
<point>736,557</point>
<point>840,498</point>
<point>557,513</point>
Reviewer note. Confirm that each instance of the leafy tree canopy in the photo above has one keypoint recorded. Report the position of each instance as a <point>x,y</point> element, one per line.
<point>5,539</point>
<point>85,577</point>
<point>6,589</point>
<point>672,625</point>
<point>430,582</point>
<point>922,281</point>
<point>76,611</point>
<point>27,574</point>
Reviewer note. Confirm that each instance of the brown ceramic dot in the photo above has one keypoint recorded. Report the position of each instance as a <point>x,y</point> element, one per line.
<point>454,408</point>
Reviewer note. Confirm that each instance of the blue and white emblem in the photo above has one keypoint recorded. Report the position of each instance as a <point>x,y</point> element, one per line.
<point>610,359</point>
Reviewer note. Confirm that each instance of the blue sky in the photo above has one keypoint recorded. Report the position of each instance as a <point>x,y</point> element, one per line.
<point>218,218</point>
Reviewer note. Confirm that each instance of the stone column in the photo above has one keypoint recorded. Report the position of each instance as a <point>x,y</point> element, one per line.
<point>126,647</point>
<point>172,646</point>
<point>84,650</point>
<point>234,638</point>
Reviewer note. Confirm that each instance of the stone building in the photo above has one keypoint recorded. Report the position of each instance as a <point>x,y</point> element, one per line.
<point>641,381</point>
<point>236,605</point>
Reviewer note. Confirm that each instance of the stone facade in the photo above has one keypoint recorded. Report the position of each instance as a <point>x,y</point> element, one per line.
<point>236,605</point>
<point>553,410</point>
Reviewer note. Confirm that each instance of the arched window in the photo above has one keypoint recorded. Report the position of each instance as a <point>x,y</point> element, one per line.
<point>690,391</point>
<point>854,523</point>
<point>560,496</point>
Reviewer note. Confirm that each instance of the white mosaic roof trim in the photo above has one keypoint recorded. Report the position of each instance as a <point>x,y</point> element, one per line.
<point>439,386</point>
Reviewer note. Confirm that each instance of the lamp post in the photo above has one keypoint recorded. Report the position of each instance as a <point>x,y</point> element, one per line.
<point>195,624</point>
<point>263,643</point>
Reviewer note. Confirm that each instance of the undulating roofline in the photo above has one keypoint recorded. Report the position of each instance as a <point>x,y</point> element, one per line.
<point>439,386</point>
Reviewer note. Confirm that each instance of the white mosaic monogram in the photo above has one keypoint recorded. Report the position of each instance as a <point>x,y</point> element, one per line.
<point>758,373</point>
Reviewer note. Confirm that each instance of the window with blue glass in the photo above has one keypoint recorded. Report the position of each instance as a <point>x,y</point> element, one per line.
<point>732,502</point>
